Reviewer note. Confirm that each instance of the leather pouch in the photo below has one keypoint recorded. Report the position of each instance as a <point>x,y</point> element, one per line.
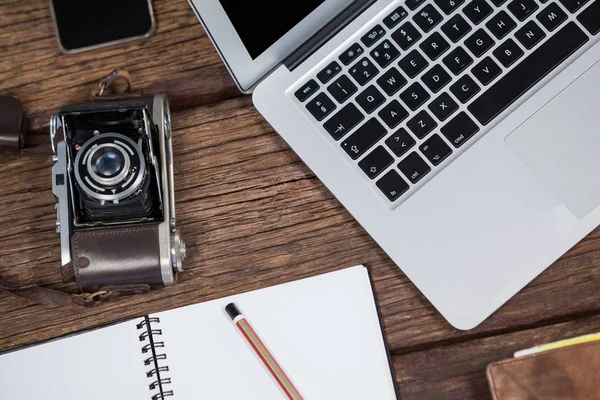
<point>11,118</point>
<point>566,373</point>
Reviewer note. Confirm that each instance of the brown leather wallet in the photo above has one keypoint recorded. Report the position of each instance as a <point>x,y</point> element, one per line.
<point>566,373</point>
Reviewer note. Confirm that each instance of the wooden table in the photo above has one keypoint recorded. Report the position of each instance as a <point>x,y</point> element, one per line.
<point>252,213</point>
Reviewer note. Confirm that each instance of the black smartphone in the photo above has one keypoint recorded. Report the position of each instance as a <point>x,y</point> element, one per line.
<point>88,24</point>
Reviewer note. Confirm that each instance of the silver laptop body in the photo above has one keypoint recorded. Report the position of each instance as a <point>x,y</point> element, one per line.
<point>462,135</point>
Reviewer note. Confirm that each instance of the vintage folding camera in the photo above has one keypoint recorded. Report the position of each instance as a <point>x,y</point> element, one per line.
<point>113,181</point>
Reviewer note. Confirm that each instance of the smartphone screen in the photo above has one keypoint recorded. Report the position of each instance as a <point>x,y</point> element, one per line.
<point>81,24</point>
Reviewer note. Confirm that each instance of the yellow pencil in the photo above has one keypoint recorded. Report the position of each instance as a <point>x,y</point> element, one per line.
<point>263,353</point>
<point>556,345</point>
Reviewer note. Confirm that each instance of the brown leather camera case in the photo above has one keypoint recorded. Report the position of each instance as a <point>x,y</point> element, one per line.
<point>116,256</point>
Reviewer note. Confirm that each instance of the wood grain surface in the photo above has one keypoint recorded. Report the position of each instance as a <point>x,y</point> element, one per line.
<point>252,213</point>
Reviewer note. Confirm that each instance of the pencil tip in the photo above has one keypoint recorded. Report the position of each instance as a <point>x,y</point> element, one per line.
<point>232,310</point>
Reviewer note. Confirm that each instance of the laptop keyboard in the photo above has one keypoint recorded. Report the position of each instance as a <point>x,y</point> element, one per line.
<point>424,80</point>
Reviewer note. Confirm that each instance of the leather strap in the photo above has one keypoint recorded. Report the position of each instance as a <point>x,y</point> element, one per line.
<point>51,297</point>
<point>11,118</point>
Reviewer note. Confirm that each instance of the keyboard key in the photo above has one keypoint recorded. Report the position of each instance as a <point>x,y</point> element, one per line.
<point>421,124</point>
<point>392,185</point>
<point>486,71</point>
<point>590,18</point>
<point>522,9</point>
<point>351,54</point>
<point>343,121</point>
<point>479,42</point>
<point>391,81</point>
<point>443,106</point>
<point>477,11</point>
<point>385,53</point>
<point>414,167</point>
<point>370,99</point>
<point>457,60</point>
<point>508,53</point>
<point>363,71</point>
<point>449,6</point>
<point>376,162</point>
<point>530,35</point>
<point>498,3</point>
<point>436,78</point>
<point>460,129</point>
<point>307,90</point>
<point>363,138</point>
<point>329,72</point>
<point>501,24</point>
<point>406,35</point>
<point>393,114</point>
<point>456,28</point>
<point>527,73</point>
<point>400,142</point>
<point>464,89</point>
<point>435,149</point>
<point>373,35</point>
<point>320,106</point>
<point>415,96</point>
<point>573,5</point>
<point>395,17</point>
<point>413,64</point>
<point>427,18</point>
<point>434,46</point>
<point>552,16</point>
<point>342,89</point>
<point>413,4</point>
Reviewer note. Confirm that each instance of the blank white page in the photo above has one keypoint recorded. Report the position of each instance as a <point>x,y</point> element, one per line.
<point>324,331</point>
<point>101,364</point>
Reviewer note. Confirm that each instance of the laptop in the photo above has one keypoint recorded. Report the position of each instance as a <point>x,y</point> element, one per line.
<point>462,135</point>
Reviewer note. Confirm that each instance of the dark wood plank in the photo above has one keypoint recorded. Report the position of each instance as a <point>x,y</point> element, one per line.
<point>178,59</point>
<point>457,372</point>
<point>253,215</point>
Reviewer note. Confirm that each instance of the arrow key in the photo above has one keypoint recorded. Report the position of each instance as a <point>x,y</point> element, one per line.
<point>435,149</point>
<point>400,142</point>
<point>376,162</point>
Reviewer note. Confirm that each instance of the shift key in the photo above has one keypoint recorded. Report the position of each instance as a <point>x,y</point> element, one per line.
<point>363,138</point>
<point>590,18</point>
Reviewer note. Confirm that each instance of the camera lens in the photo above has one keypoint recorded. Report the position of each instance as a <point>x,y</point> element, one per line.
<point>107,162</point>
<point>110,167</point>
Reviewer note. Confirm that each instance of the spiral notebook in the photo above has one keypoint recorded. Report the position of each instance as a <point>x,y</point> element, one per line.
<point>324,331</point>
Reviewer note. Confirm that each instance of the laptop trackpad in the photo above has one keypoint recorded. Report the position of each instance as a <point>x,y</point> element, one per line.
<point>561,143</point>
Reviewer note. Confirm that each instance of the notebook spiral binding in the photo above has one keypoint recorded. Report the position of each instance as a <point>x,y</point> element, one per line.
<point>157,373</point>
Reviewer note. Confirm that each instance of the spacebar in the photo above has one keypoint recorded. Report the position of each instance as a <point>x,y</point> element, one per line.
<point>529,72</point>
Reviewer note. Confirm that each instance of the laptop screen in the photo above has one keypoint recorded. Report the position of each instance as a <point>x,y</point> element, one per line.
<point>261,23</point>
